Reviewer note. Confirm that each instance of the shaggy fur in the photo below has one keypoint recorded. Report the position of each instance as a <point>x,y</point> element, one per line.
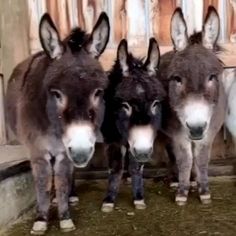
<point>47,94</point>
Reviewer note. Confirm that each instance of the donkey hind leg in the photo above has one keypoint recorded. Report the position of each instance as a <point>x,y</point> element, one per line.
<point>115,154</point>
<point>42,173</point>
<point>63,173</point>
<point>136,171</point>
<point>184,160</point>
<point>201,161</point>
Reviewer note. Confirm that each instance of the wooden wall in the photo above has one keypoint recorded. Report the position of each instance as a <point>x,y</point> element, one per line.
<point>136,20</point>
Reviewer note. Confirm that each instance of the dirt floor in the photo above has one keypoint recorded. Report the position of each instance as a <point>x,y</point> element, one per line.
<point>162,216</point>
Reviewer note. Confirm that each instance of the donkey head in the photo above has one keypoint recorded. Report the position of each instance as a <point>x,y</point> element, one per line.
<point>138,98</point>
<point>194,73</point>
<point>74,85</point>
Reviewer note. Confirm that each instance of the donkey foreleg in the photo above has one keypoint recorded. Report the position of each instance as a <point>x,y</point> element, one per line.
<point>201,161</point>
<point>42,173</point>
<point>136,171</point>
<point>184,160</point>
<point>116,165</point>
<point>63,174</point>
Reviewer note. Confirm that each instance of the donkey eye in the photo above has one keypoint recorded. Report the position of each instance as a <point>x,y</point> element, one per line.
<point>56,93</point>
<point>177,79</point>
<point>91,114</point>
<point>98,93</point>
<point>154,106</point>
<point>212,78</point>
<point>127,108</point>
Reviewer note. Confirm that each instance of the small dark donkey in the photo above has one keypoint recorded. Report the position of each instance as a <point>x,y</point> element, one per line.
<point>196,104</point>
<point>55,106</point>
<point>132,118</point>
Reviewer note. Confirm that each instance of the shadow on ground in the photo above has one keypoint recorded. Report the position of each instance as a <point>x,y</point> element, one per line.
<point>162,217</point>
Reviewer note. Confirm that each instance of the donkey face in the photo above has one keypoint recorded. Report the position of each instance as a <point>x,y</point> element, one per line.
<point>138,98</point>
<point>74,85</point>
<point>194,74</point>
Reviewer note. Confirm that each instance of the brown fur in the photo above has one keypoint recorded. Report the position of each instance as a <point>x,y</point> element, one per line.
<point>192,73</point>
<point>50,92</point>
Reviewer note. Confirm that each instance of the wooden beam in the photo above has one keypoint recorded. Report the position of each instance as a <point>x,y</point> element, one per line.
<point>14,34</point>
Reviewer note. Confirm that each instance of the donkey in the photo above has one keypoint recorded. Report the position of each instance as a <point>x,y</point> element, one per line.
<point>195,109</point>
<point>132,117</point>
<point>55,106</point>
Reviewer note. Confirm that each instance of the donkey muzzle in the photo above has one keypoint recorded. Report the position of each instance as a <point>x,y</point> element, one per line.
<point>81,157</point>
<point>143,155</point>
<point>196,132</point>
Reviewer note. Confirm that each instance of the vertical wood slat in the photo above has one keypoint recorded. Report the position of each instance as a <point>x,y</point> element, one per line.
<point>2,113</point>
<point>89,11</point>
<point>193,14</point>
<point>207,3</point>
<point>136,26</point>
<point>231,20</point>
<point>160,17</point>
<point>14,47</point>
<point>35,10</point>
<point>118,21</point>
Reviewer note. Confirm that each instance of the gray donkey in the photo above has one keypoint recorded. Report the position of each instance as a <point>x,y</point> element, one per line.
<point>195,109</point>
<point>55,106</point>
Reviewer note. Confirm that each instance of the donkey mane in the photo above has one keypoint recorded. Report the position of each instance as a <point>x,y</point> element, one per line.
<point>137,68</point>
<point>196,38</point>
<point>76,39</point>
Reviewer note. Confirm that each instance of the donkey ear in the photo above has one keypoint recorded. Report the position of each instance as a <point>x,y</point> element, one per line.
<point>49,37</point>
<point>122,57</point>
<point>99,36</point>
<point>211,28</point>
<point>153,57</point>
<point>178,30</point>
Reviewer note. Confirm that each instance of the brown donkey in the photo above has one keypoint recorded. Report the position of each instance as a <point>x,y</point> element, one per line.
<point>196,104</point>
<point>55,106</point>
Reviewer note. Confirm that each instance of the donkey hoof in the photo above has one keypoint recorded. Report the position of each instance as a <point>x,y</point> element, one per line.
<point>73,200</point>
<point>174,185</point>
<point>181,200</point>
<point>107,207</point>
<point>140,204</point>
<point>39,228</point>
<point>67,225</point>
<point>205,198</point>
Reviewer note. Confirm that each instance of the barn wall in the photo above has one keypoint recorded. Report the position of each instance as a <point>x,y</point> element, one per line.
<point>136,20</point>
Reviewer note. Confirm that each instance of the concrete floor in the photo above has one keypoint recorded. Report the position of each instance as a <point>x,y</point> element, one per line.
<point>162,216</point>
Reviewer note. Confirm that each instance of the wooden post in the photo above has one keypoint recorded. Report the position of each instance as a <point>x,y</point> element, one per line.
<point>14,45</point>
<point>2,113</point>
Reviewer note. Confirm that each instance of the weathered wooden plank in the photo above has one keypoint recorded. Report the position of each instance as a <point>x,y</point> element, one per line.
<point>52,8</point>
<point>193,12</point>
<point>35,10</point>
<point>15,39</point>
<point>207,3</point>
<point>63,18</point>
<point>118,21</point>
<point>136,23</point>
<point>2,113</point>
<point>231,20</point>
<point>90,10</point>
<point>160,13</point>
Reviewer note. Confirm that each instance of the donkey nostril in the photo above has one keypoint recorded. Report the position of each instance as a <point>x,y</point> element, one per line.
<point>197,130</point>
<point>70,150</point>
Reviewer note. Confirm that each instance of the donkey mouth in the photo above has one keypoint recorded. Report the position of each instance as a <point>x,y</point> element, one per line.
<point>196,138</point>
<point>141,158</point>
<point>80,161</point>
